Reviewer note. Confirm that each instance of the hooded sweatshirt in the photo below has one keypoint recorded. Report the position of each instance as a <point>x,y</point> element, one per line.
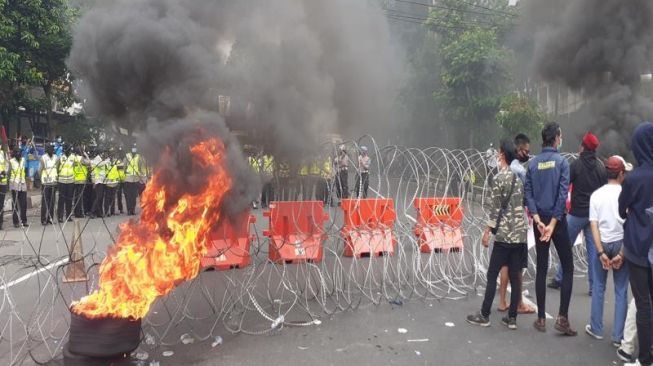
<point>587,174</point>
<point>637,196</point>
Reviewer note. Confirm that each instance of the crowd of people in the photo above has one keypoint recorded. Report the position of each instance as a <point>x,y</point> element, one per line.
<point>75,181</point>
<point>322,178</point>
<point>611,204</point>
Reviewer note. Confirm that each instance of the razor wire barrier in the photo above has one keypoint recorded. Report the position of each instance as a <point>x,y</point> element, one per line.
<point>265,296</point>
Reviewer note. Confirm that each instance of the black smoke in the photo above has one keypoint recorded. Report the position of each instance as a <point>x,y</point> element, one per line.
<point>601,48</point>
<point>295,71</point>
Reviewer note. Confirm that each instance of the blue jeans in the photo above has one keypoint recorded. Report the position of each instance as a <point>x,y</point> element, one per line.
<point>575,225</point>
<point>620,278</point>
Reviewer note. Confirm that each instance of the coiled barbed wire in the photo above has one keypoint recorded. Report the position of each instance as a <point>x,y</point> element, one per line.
<point>265,296</point>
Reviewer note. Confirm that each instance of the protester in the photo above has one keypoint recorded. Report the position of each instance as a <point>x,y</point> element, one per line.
<point>635,198</point>
<point>547,184</point>
<point>608,233</point>
<point>522,145</point>
<point>586,174</point>
<point>509,221</point>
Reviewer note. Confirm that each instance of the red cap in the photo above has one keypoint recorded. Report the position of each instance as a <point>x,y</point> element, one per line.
<point>616,163</point>
<point>590,141</point>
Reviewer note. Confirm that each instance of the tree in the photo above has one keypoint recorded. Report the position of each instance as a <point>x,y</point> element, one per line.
<point>474,72</point>
<point>35,39</point>
<point>520,114</point>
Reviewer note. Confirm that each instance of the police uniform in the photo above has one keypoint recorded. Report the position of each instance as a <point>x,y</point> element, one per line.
<point>49,176</point>
<point>4,184</point>
<point>66,186</point>
<point>18,187</point>
<point>99,174</point>
<point>134,171</point>
<point>80,177</point>
<point>120,189</point>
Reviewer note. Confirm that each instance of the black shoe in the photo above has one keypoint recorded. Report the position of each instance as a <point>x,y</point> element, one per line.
<point>44,223</point>
<point>554,284</point>
<point>624,356</point>
<point>478,319</point>
<point>509,322</point>
<point>16,226</point>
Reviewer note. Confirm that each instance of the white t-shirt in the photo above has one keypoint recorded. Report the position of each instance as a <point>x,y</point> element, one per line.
<point>604,209</point>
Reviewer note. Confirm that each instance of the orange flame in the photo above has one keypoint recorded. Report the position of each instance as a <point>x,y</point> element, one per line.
<point>163,248</point>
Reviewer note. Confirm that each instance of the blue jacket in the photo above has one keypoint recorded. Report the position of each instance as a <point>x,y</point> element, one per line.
<point>637,196</point>
<point>547,184</point>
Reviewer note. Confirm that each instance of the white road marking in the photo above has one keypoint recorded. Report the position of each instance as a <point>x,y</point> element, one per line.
<point>32,274</point>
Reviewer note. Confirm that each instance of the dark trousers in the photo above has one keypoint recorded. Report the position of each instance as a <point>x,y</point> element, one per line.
<point>48,193</point>
<point>98,202</point>
<point>109,200</point>
<point>89,198</point>
<point>19,204</point>
<point>65,203</point>
<point>362,185</point>
<point>131,193</point>
<point>3,192</point>
<point>503,254</point>
<point>342,184</point>
<point>78,199</point>
<point>562,244</point>
<point>266,194</point>
<point>322,190</point>
<point>119,194</point>
<point>641,285</point>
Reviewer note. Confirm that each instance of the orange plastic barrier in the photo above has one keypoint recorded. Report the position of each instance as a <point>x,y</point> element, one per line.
<point>368,228</point>
<point>296,231</point>
<point>230,244</point>
<point>439,221</point>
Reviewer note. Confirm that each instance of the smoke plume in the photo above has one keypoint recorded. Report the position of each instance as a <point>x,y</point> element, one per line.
<point>602,47</point>
<point>294,70</point>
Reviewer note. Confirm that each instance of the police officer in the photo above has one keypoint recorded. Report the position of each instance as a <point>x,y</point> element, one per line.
<point>80,177</point>
<point>342,177</point>
<point>134,171</point>
<point>99,167</point>
<point>111,183</point>
<point>120,189</point>
<point>4,180</point>
<point>18,187</point>
<point>363,178</point>
<point>66,186</point>
<point>48,173</point>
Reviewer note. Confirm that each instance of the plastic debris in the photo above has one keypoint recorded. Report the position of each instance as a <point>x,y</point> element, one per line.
<point>167,353</point>
<point>317,322</point>
<point>302,348</point>
<point>450,324</point>
<point>216,341</point>
<point>140,355</point>
<point>418,353</point>
<point>418,340</point>
<point>402,330</point>
<point>149,339</point>
<point>186,339</point>
<point>277,322</point>
<point>396,302</point>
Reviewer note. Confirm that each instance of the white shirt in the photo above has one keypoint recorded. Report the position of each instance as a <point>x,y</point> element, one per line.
<point>491,156</point>
<point>364,163</point>
<point>604,209</point>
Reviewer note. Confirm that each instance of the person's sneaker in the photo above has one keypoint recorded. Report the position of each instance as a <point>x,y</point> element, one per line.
<point>636,363</point>
<point>554,284</point>
<point>588,330</point>
<point>616,344</point>
<point>509,322</point>
<point>624,356</point>
<point>562,325</point>
<point>540,324</point>
<point>478,319</point>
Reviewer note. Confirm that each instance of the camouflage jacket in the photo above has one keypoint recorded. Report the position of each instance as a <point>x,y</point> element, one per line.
<point>513,225</point>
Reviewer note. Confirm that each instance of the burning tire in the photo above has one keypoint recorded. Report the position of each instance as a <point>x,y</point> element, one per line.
<point>103,337</point>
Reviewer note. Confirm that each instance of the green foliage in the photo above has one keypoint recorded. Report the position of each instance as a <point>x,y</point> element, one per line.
<point>520,114</point>
<point>474,69</point>
<point>36,39</point>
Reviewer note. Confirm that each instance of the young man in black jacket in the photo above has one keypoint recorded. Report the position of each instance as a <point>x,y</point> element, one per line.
<point>635,199</point>
<point>586,175</point>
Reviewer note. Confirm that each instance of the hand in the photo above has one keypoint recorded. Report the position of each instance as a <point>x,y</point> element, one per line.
<point>485,240</point>
<point>605,261</point>
<point>547,232</point>
<point>617,262</point>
